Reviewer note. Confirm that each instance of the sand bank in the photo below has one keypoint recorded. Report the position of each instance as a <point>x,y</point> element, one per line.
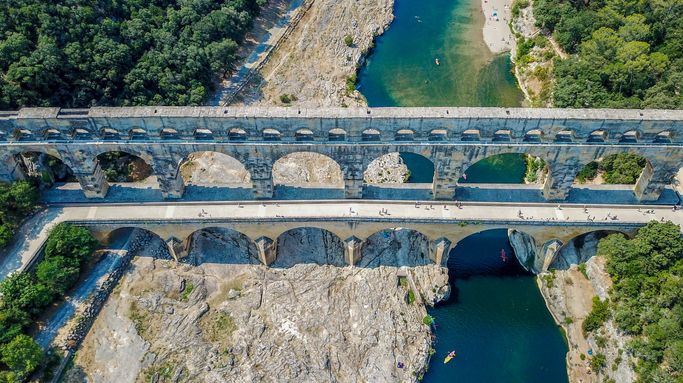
<point>497,33</point>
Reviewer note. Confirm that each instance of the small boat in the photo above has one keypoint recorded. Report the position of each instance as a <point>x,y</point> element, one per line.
<point>436,61</point>
<point>450,356</point>
<point>503,256</point>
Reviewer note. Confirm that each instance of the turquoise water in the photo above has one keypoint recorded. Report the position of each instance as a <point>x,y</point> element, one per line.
<point>495,320</point>
<point>402,71</point>
<point>501,169</point>
<point>421,168</point>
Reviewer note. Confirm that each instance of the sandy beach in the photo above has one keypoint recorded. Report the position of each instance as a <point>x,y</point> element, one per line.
<point>497,33</point>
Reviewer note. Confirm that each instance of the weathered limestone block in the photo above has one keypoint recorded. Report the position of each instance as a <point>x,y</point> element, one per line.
<point>654,179</point>
<point>439,250</point>
<point>267,250</point>
<point>533,257</point>
<point>352,250</point>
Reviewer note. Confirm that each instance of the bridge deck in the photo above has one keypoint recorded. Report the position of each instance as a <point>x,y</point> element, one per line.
<point>34,232</point>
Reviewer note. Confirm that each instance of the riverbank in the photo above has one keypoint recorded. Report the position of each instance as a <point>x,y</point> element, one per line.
<point>568,295</point>
<point>315,66</point>
<point>497,34</point>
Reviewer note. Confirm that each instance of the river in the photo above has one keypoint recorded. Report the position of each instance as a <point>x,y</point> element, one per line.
<point>496,319</point>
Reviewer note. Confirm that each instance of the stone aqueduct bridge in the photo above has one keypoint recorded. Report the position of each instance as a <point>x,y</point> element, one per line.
<point>442,225</point>
<point>452,138</point>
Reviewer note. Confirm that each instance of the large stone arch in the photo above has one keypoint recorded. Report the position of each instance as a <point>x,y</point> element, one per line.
<point>299,164</point>
<point>309,245</point>
<point>212,167</point>
<point>215,244</point>
<point>138,240</point>
<point>396,246</point>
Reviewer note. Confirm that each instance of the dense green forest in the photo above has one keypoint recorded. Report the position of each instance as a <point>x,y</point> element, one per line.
<point>647,297</point>
<point>79,53</point>
<point>625,53</point>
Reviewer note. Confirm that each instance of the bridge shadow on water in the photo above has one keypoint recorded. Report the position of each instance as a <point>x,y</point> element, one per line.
<point>407,191</point>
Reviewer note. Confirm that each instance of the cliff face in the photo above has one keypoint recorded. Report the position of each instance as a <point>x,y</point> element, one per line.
<point>532,256</point>
<point>568,295</point>
<point>247,323</point>
<point>578,250</point>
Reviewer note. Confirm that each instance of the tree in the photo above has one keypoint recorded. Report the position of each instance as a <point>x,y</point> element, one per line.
<point>58,274</point>
<point>22,355</point>
<point>12,322</point>
<point>19,291</point>
<point>71,242</point>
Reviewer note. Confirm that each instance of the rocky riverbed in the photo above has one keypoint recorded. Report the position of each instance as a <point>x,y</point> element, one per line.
<point>212,318</point>
<point>314,63</point>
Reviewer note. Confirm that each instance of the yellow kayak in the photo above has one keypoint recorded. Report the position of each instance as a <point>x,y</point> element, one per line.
<point>448,358</point>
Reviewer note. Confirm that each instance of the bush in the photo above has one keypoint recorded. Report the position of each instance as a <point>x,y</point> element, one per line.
<point>598,362</point>
<point>428,320</point>
<point>598,315</point>
<point>351,83</point>
<point>411,297</point>
<point>285,99</point>
<point>20,292</point>
<point>348,40</point>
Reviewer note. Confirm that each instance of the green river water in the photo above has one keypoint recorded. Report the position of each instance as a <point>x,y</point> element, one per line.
<point>496,319</point>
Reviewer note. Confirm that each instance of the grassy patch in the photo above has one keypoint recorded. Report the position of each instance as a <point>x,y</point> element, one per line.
<point>218,327</point>
<point>189,287</point>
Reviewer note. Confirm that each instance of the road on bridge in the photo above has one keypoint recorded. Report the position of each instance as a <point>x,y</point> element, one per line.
<point>33,233</point>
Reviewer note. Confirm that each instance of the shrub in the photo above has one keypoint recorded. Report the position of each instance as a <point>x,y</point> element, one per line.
<point>588,173</point>
<point>428,320</point>
<point>598,315</point>
<point>351,83</point>
<point>411,296</point>
<point>598,362</point>
<point>348,40</point>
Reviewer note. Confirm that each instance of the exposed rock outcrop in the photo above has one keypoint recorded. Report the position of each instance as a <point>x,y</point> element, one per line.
<point>533,257</point>
<point>568,295</point>
<point>314,63</point>
<point>248,323</point>
<point>578,250</point>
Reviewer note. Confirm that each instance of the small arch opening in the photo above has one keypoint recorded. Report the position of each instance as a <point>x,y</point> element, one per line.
<point>597,136</point>
<point>502,135</point>
<point>337,134</point>
<point>109,134</point>
<point>203,134</point>
<point>271,134</point>
<point>237,134</point>
<point>534,135</point>
<point>304,135</point>
<point>169,134</point>
<point>438,135</point>
<point>371,135</point>
<point>565,135</point>
<point>405,135</point>
<point>137,134</point>
<point>665,137</point>
<point>631,137</point>
<point>471,135</point>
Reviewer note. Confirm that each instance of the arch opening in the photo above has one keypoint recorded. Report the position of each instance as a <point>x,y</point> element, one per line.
<point>124,167</point>
<point>614,169</point>
<point>220,245</point>
<point>214,169</point>
<point>400,168</point>
<point>487,252</point>
<point>44,169</point>
<point>307,170</point>
<point>507,168</point>
<point>309,245</point>
<point>143,242</point>
<point>337,134</point>
<point>395,247</point>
